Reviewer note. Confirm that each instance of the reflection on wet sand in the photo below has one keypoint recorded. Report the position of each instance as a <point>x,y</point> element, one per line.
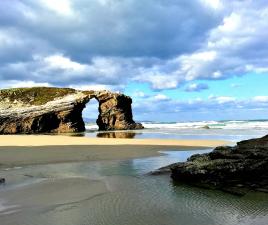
<point>119,192</point>
<point>117,134</point>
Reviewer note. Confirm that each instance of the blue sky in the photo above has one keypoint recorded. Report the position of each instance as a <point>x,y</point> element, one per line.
<point>178,59</point>
<point>249,90</point>
<point>241,87</point>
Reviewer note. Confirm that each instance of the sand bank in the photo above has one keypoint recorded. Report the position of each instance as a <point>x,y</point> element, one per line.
<point>61,140</point>
<point>44,149</point>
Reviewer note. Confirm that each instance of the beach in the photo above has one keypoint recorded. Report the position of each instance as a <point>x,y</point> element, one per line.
<point>62,179</point>
<point>42,149</point>
<point>124,112</point>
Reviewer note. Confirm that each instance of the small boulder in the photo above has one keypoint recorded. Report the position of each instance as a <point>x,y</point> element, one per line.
<point>2,180</point>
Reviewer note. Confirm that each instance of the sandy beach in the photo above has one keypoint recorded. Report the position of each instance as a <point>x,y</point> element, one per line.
<point>60,140</point>
<point>43,149</point>
<point>81,180</point>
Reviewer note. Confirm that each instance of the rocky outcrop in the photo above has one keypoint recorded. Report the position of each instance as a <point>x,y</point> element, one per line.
<point>234,169</point>
<point>46,110</point>
<point>115,112</point>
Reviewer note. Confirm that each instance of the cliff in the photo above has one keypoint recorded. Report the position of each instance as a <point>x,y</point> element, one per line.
<point>46,110</point>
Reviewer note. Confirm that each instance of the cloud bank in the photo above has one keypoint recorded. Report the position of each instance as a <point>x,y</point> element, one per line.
<point>167,44</point>
<point>210,108</point>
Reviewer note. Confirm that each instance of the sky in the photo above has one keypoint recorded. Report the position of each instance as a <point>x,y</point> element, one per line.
<point>179,60</point>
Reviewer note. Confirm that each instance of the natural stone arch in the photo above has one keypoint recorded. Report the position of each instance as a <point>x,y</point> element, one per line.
<point>90,114</point>
<point>39,110</point>
<point>115,112</point>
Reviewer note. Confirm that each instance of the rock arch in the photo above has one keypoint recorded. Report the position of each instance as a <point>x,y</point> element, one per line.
<point>115,112</point>
<point>46,110</point>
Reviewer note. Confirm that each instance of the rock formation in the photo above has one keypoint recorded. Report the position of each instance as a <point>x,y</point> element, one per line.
<point>233,169</point>
<point>45,110</point>
<point>2,180</point>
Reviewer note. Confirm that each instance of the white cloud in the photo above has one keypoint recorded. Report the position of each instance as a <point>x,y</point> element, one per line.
<point>97,87</point>
<point>17,84</point>
<point>58,61</point>
<point>261,99</point>
<point>225,99</point>
<point>62,7</point>
<point>214,4</point>
<point>196,87</point>
<point>156,79</point>
<point>222,99</point>
<point>194,65</point>
<point>230,23</point>
<point>161,97</point>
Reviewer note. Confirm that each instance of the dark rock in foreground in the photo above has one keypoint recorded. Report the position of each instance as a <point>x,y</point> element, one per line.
<point>46,110</point>
<point>236,169</point>
<point>2,180</point>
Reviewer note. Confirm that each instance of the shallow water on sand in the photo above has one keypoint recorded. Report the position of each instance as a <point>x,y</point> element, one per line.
<point>119,193</point>
<point>232,135</point>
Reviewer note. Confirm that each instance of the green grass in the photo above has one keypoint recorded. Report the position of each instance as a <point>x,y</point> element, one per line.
<point>35,95</point>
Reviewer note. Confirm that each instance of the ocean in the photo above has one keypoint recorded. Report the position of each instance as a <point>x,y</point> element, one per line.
<point>230,130</point>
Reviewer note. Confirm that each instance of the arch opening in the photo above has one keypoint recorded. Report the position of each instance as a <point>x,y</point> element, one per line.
<point>90,115</point>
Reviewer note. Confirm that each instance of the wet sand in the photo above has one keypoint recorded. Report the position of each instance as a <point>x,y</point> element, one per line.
<point>109,189</point>
<point>44,149</point>
<point>117,192</point>
<point>18,156</point>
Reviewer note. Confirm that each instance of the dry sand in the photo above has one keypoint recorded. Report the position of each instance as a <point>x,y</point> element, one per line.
<point>60,140</point>
<point>43,149</point>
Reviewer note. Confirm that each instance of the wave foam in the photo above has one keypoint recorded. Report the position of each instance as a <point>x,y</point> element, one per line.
<point>234,124</point>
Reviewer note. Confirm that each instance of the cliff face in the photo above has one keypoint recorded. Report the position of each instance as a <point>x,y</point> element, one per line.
<point>45,110</point>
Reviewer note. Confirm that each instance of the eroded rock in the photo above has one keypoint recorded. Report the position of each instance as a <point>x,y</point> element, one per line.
<point>234,169</point>
<point>115,112</point>
<point>46,110</point>
<point>244,166</point>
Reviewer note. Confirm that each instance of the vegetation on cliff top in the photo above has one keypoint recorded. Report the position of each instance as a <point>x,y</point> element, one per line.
<point>34,95</point>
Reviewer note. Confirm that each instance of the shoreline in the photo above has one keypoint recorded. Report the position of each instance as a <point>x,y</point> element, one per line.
<point>19,150</point>
<point>64,140</point>
<point>42,155</point>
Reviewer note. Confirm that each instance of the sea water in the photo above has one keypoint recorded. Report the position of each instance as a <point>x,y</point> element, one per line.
<point>219,130</point>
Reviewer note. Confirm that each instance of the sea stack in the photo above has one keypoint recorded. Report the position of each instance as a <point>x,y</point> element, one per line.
<point>59,110</point>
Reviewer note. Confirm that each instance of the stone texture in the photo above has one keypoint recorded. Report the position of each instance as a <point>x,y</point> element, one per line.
<point>234,169</point>
<point>115,112</point>
<point>46,110</point>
